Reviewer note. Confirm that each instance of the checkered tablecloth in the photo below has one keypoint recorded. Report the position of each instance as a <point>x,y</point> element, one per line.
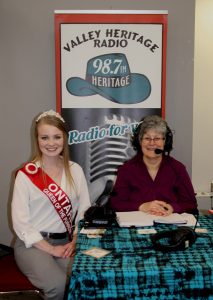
<point>134,270</point>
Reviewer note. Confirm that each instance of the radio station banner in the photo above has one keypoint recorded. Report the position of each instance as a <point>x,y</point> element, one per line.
<point>110,72</point>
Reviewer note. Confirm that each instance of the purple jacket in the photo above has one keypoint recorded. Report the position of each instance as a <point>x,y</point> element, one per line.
<point>135,186</point>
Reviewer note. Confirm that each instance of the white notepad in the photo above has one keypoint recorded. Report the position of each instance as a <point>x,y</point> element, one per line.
<point>171,219</point>
<point>140,219</point>
<point>134,218</point>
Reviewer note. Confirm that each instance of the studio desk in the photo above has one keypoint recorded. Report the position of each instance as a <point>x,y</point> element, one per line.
<point>134,270</point>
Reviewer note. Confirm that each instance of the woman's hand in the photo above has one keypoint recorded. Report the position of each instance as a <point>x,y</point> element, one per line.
<point>70,248</point>
<point>156,207</point>
<point>63,251</point>
<point>66,250</point>
<point>60,250</point>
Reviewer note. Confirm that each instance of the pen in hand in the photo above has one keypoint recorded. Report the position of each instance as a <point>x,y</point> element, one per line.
<point>168,209</point>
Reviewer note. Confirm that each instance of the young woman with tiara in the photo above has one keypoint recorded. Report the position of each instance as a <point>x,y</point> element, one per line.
<point>49,198</point>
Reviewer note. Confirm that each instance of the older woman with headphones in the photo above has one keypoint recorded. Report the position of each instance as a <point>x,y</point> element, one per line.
<point>152,181</point>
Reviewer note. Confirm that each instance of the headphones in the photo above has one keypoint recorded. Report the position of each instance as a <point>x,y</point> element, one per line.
<point>168,146</point>
<point>169,140</point>
<point>178,239</point>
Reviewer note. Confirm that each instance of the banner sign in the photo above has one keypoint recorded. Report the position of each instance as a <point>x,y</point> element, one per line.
<point>110,72</point>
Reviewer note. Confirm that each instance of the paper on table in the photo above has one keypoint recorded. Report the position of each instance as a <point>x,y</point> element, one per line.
<point>191,220</point>
<point>134,218</point>
<point>171,219</point>
<point>140,219</point>
<point>92,230</point>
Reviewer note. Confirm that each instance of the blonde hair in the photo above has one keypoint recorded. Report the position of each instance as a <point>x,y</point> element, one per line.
<point>53,120</point>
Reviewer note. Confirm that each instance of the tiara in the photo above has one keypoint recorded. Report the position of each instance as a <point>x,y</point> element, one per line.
<point>50,113</point>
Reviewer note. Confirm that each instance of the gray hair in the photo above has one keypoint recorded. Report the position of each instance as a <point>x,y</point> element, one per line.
<point>152,122</point>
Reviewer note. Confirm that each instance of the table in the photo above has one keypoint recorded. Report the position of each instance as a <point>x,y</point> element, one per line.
<point>134,270</point>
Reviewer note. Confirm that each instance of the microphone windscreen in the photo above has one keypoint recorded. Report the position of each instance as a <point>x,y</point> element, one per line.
<point>158,151</point>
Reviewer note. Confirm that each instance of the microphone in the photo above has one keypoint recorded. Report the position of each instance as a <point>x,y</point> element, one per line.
<point>103,198</point>
<point>158,151</point>
<point>105,155</point>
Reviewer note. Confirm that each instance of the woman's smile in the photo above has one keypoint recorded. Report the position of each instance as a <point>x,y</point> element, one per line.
<point>50,140</point>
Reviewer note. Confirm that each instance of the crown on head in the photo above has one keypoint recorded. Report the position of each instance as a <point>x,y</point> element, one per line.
<point>50,113</point>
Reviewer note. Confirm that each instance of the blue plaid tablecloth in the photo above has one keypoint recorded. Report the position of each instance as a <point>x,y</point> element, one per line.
<point>134,270</point>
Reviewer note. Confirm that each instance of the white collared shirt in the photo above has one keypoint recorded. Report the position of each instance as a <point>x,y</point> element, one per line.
<point>33,212</point>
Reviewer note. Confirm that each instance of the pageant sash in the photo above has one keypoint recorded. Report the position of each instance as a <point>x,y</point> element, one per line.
<point>56,195</point>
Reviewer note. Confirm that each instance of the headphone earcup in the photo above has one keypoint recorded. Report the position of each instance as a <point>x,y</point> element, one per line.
<point>134,140</point>
<point>168,140</point>
<point>178,239</point>
<point>184,234</point>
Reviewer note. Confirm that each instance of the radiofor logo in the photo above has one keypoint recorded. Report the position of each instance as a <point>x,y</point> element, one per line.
<point>109,76</point>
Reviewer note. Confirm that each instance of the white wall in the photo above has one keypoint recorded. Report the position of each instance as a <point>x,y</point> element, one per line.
<point>202,155</point>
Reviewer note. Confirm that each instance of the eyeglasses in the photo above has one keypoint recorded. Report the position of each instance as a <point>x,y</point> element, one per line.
<point>155,140</point>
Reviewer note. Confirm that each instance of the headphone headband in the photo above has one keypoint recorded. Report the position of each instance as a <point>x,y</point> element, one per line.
<point>168,146</point>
